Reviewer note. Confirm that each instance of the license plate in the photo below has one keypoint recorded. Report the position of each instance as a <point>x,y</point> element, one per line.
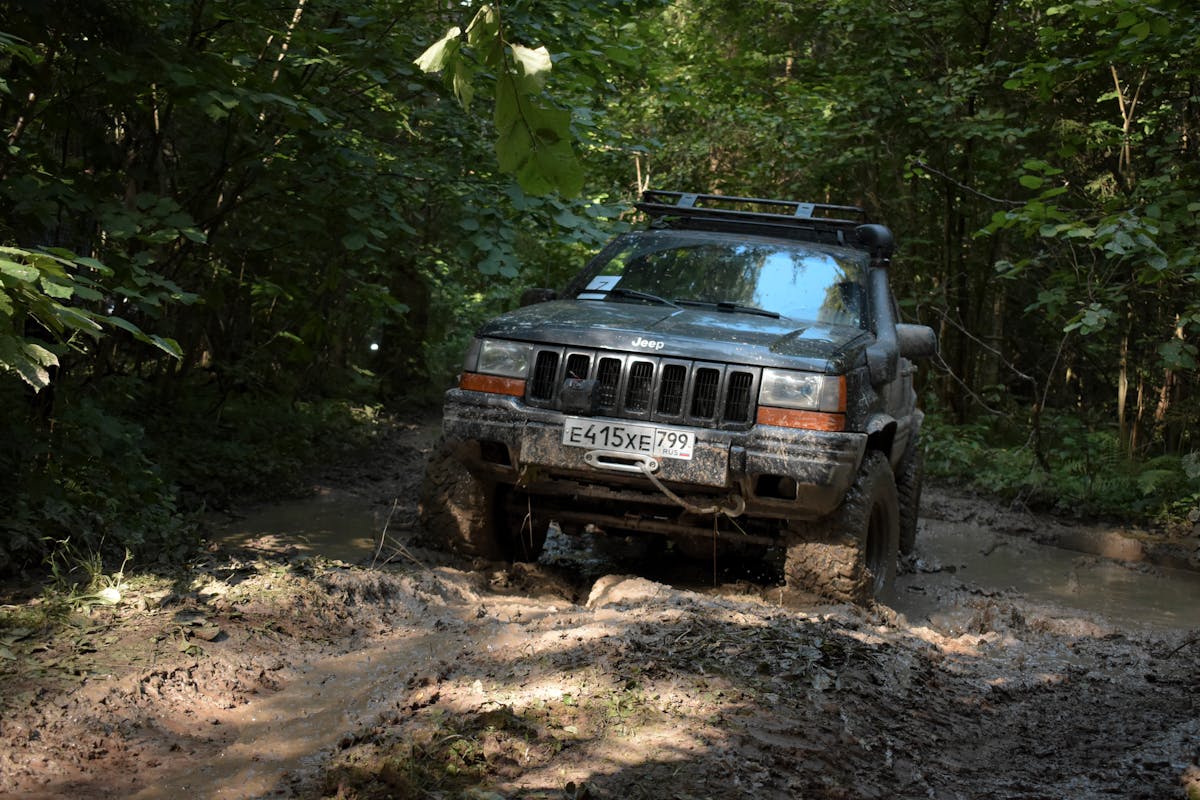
<point>624,437</point>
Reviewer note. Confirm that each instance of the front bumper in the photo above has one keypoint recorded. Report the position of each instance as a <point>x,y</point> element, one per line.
<point>779,473</point>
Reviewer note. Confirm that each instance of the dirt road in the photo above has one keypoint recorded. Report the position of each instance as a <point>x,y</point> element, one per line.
<point>268,671</point>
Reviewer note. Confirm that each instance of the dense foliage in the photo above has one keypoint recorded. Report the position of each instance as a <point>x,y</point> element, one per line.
<point>223,219</point>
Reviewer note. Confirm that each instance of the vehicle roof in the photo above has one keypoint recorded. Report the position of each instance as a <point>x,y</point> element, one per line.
<point>845,226</point>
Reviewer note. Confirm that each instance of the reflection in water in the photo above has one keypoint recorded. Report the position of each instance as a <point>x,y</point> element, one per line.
<point>332,524</point>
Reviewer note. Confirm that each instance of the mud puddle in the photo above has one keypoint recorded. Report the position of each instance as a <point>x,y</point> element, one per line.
<point>330,523</point>
<point>951,557</point>
<point>954,556</point>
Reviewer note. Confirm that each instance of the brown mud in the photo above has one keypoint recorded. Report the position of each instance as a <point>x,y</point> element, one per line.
<point>279,667</point>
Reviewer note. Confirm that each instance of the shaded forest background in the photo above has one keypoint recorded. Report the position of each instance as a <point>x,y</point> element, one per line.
<point>233,234</point>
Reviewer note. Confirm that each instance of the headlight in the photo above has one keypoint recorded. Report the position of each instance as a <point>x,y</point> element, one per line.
<point>498,357</point>
<point>803,390</point>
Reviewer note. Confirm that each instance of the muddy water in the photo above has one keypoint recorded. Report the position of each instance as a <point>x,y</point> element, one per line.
<point>953,555</point>
<point>333,524</point>
<point>950,555</point>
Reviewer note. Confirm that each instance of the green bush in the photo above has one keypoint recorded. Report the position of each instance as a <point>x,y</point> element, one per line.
<point>1082,470</point>
<point>256,447</point>
<point>101,484</point>
<point>89,480</point>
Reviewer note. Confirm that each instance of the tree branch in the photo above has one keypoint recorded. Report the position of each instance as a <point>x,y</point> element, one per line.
<point>964,187</point>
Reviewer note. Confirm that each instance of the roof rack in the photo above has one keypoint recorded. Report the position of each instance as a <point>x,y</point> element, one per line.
<point>844,225</point>
<point>658,203</point>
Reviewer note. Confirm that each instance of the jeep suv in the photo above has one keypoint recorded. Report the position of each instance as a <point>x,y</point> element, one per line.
<point>733,374</point>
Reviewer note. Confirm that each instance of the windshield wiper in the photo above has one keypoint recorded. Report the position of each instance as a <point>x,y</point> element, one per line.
<point>634,294</point>
<point>725,305</point>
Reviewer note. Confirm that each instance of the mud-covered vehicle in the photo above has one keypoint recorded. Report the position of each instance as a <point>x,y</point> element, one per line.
<point>733,375</point>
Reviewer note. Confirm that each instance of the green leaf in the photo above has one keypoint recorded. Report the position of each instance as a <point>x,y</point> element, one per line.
<point>167,345</point>
<point>40,355</point>
<point>354,241</point>
<point>485,26</point>
<point>87,293</point>
<point>15,358</point>
<point>533,66</point>
<point>1032,181</point>
<point>438,54</point>
<point>1178,354</point>
<point>567,219</point>
<point>59,291</point>
<point>124,324</point>
<point>75,319</point>
<point>22,272</point>
<point>534,143</point>
<point>461,78</point>
<point>94,264</point>
<point>483,36</point>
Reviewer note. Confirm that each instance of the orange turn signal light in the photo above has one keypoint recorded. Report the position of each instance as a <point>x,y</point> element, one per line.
<point>793,418</point>
<point>492,384</point>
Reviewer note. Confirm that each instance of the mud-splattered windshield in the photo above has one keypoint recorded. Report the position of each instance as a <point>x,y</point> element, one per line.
<point>744,274</point>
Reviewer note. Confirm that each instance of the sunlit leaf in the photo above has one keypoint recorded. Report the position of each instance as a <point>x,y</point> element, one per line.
<point>438,54</point>
<point>59,291</point>
<point>22,272</point>
<point>483,36</point>
<point>533,67</point>
<point>15,358</point>
<point>461,82</point>
<point>40,355</point>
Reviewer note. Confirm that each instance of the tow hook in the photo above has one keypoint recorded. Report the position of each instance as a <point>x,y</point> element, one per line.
<point>621,462</point>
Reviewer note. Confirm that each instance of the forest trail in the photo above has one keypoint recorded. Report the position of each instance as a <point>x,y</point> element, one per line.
<point>274,670</point>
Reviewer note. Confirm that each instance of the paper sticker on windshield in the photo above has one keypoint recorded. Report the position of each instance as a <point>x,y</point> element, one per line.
<point>599,284</point>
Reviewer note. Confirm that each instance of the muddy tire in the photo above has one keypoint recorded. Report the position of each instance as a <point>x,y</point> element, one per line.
<point>850,556</point>
<point>909,477</point>
<point>459,511</point>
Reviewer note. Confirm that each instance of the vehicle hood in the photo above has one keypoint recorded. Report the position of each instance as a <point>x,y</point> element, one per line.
<point>692,333</point>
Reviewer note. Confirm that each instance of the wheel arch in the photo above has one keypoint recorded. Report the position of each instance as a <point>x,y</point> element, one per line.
<point>881,434</point>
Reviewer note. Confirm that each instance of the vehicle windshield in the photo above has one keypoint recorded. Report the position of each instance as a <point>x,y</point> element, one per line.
<point>798,280</point>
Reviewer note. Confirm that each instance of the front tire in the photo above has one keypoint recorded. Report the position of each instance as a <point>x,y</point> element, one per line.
<point>850,556</point>
<point>473,516</point>
<point>458,510</point>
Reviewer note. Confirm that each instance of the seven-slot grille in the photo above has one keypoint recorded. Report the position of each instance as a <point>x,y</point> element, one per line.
<point>653,388</point>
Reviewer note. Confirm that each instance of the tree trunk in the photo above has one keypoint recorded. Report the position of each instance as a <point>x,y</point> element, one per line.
<point>1123,395</point>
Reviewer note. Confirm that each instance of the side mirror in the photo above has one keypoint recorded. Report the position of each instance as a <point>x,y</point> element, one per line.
<point>916,341</point>
<point>531,297</point>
